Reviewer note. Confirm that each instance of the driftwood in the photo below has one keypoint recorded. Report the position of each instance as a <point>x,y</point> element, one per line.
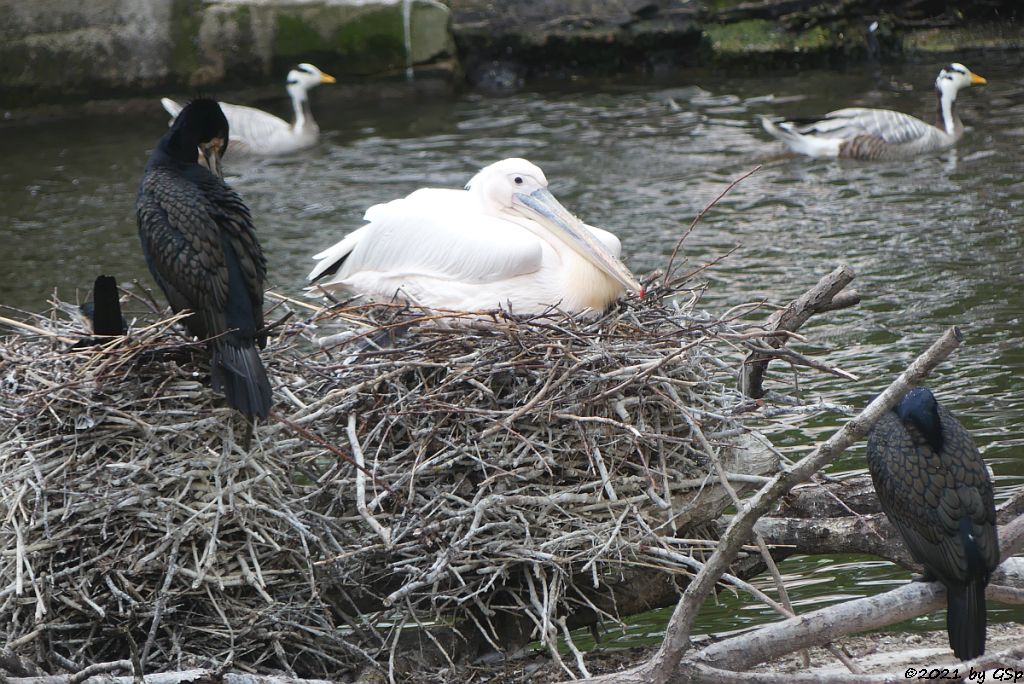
<point>93,672</point>
<point>662,666</point>
<point>827,295</point>
<point>357,465</point>
<point>1008,661</point>
<point>474,488</point>
<point>823,625</point>
<point>845,517</point>
<point>863,530</point>
<point>481,485</point>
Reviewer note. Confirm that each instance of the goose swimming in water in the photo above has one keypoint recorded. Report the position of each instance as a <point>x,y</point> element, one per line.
<point>861,133</point>
<point>202,250</point>
<point>503,242</point>
<point>257,133</point>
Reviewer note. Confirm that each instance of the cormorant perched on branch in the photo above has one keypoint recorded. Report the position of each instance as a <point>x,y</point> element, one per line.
<point>934,486</point>
<point>201,248</point>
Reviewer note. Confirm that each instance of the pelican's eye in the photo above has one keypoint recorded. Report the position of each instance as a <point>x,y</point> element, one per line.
<point>519,180</point>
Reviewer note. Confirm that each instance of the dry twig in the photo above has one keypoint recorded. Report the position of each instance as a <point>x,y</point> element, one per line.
<point>495,469</point>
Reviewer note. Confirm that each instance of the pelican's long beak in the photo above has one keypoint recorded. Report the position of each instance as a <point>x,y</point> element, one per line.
<point>541,206</point>
<point>977,80</point>
<point>210,153</point>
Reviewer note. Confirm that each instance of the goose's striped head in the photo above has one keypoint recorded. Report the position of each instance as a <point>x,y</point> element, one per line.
<point>306,76</point>
<point>955,77</point>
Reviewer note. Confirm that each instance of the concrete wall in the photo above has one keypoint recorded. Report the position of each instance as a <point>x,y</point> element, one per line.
<point>52,50</point>
<point>61,50</point>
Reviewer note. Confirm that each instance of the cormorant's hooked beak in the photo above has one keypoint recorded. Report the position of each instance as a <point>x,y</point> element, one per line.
<point>210,153</point>
<point>541,206</point>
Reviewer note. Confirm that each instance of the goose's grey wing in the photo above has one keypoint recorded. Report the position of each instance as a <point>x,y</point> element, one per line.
<point>895,128</point>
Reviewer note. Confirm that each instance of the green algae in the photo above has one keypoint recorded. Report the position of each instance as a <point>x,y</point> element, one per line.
<point>754,36</point>
<point>1007,36</point>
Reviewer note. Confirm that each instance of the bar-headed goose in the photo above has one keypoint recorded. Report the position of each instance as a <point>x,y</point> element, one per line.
<point>257,133</point>
<point>860,133</point>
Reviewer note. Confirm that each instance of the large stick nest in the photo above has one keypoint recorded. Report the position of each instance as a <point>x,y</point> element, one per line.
<point>469,472</point>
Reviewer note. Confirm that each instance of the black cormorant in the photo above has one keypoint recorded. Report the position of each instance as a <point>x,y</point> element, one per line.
<point>103,312</point>
<point>202,250</point>
<point>934,486</point>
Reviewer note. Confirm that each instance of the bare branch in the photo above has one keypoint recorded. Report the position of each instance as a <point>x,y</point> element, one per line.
<point>676,642</point>
<point>819,298</point>
<point>696,219</point>
<point>874,612</point>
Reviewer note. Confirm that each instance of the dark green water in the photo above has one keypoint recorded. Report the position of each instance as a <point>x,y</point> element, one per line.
<point>935,241</point>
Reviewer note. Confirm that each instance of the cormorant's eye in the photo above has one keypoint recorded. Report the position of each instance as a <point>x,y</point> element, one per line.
<point>519,180</point>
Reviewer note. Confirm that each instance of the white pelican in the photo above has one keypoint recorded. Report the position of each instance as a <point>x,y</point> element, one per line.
<point>860,133</point>
<point>503,242</point>
<point>257,133</point>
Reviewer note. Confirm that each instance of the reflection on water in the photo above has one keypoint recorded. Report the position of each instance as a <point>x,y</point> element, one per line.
<point>935,241</point>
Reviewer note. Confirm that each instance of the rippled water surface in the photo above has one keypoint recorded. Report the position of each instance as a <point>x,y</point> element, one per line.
<point>935,241</point>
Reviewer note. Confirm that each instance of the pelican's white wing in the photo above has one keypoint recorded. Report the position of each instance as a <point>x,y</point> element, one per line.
<point>435,234</point>
<point>609,240</point>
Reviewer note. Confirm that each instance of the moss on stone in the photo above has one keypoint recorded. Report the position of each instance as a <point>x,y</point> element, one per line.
<point>241,17</point>
<point>373,41</point>
<point>980,37</point>
<point>296,35</point>
<point>186,19</point>
<point>360,40</point>
<point>723,4</point>
<point>49,65</point>
<point>760,35</point>
<point>815,38</point>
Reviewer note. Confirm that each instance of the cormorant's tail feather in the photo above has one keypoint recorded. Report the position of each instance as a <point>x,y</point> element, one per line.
<point>239,372</point>
<point>103,312</point>
<point>966,619</point>
<point>106,316</point>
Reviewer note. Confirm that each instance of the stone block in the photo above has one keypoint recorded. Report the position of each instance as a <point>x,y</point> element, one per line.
<point>51,50</point>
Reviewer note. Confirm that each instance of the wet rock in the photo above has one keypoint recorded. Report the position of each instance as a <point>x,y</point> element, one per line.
<point>58,48</point>
<point>556,37</point>
<point>988,36</point>
<point>497,75</point>
<point>763,37</point>
<point>52,50</point>
<point>362,38</point>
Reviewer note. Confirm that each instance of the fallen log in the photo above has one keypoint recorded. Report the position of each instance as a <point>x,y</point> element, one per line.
<point>203,676</point>
<point>873,612</point>
<point>662,666</point>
